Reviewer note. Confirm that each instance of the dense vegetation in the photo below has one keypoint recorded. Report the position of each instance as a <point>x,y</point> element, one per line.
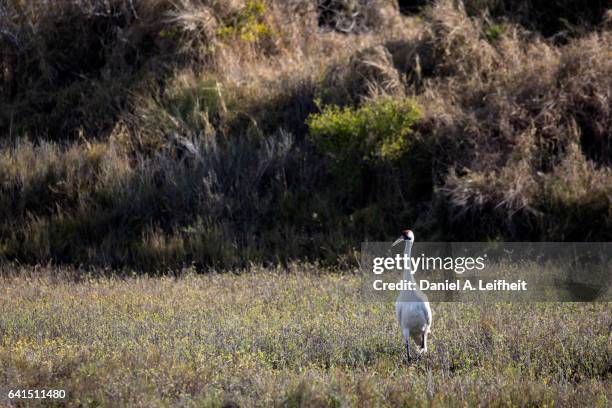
<point>161,133</point>
<point>287,339</point>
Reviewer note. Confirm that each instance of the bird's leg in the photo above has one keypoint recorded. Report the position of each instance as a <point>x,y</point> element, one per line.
<point>406,334</point>
<point>408,357</point>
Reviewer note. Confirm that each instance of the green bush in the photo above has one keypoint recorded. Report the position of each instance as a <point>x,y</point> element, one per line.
<point>248,23</point>
<point>375,132</point>
<point>494,32</point>
<point>357,140</point>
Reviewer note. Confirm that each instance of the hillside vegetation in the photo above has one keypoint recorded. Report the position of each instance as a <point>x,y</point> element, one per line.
<point>289,339</point>
<point>155,134</point>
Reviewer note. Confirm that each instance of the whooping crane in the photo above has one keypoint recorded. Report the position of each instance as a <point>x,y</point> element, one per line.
<point>412,306</point>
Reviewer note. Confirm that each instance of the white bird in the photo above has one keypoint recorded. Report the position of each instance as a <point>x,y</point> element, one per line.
<point>412,306</point>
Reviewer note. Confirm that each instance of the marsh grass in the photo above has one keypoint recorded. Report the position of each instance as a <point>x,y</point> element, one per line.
<point>286,337</point>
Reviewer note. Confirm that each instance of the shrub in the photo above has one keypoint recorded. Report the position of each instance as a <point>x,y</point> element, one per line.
<point>247,23</point>
<point>494,32</point>
<point>377,132</point>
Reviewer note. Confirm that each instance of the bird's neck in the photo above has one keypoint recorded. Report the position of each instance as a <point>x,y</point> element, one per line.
<point>408,271</point>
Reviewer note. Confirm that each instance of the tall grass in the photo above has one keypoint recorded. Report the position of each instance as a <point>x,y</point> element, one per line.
<point>159,134</point>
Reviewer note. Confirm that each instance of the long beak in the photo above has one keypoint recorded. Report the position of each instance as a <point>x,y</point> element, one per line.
<point>397,241</point>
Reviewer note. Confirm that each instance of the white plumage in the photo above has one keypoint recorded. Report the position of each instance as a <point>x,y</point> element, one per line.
<point>412,306</point>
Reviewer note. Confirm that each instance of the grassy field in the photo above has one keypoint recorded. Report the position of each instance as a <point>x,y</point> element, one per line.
<point>297,337</point>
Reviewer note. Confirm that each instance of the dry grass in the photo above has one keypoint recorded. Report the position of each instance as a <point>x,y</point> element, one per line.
<point>170,131</point>
<point>297,337</point>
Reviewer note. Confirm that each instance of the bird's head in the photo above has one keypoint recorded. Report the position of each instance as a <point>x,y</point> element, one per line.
<point>407,235</point>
